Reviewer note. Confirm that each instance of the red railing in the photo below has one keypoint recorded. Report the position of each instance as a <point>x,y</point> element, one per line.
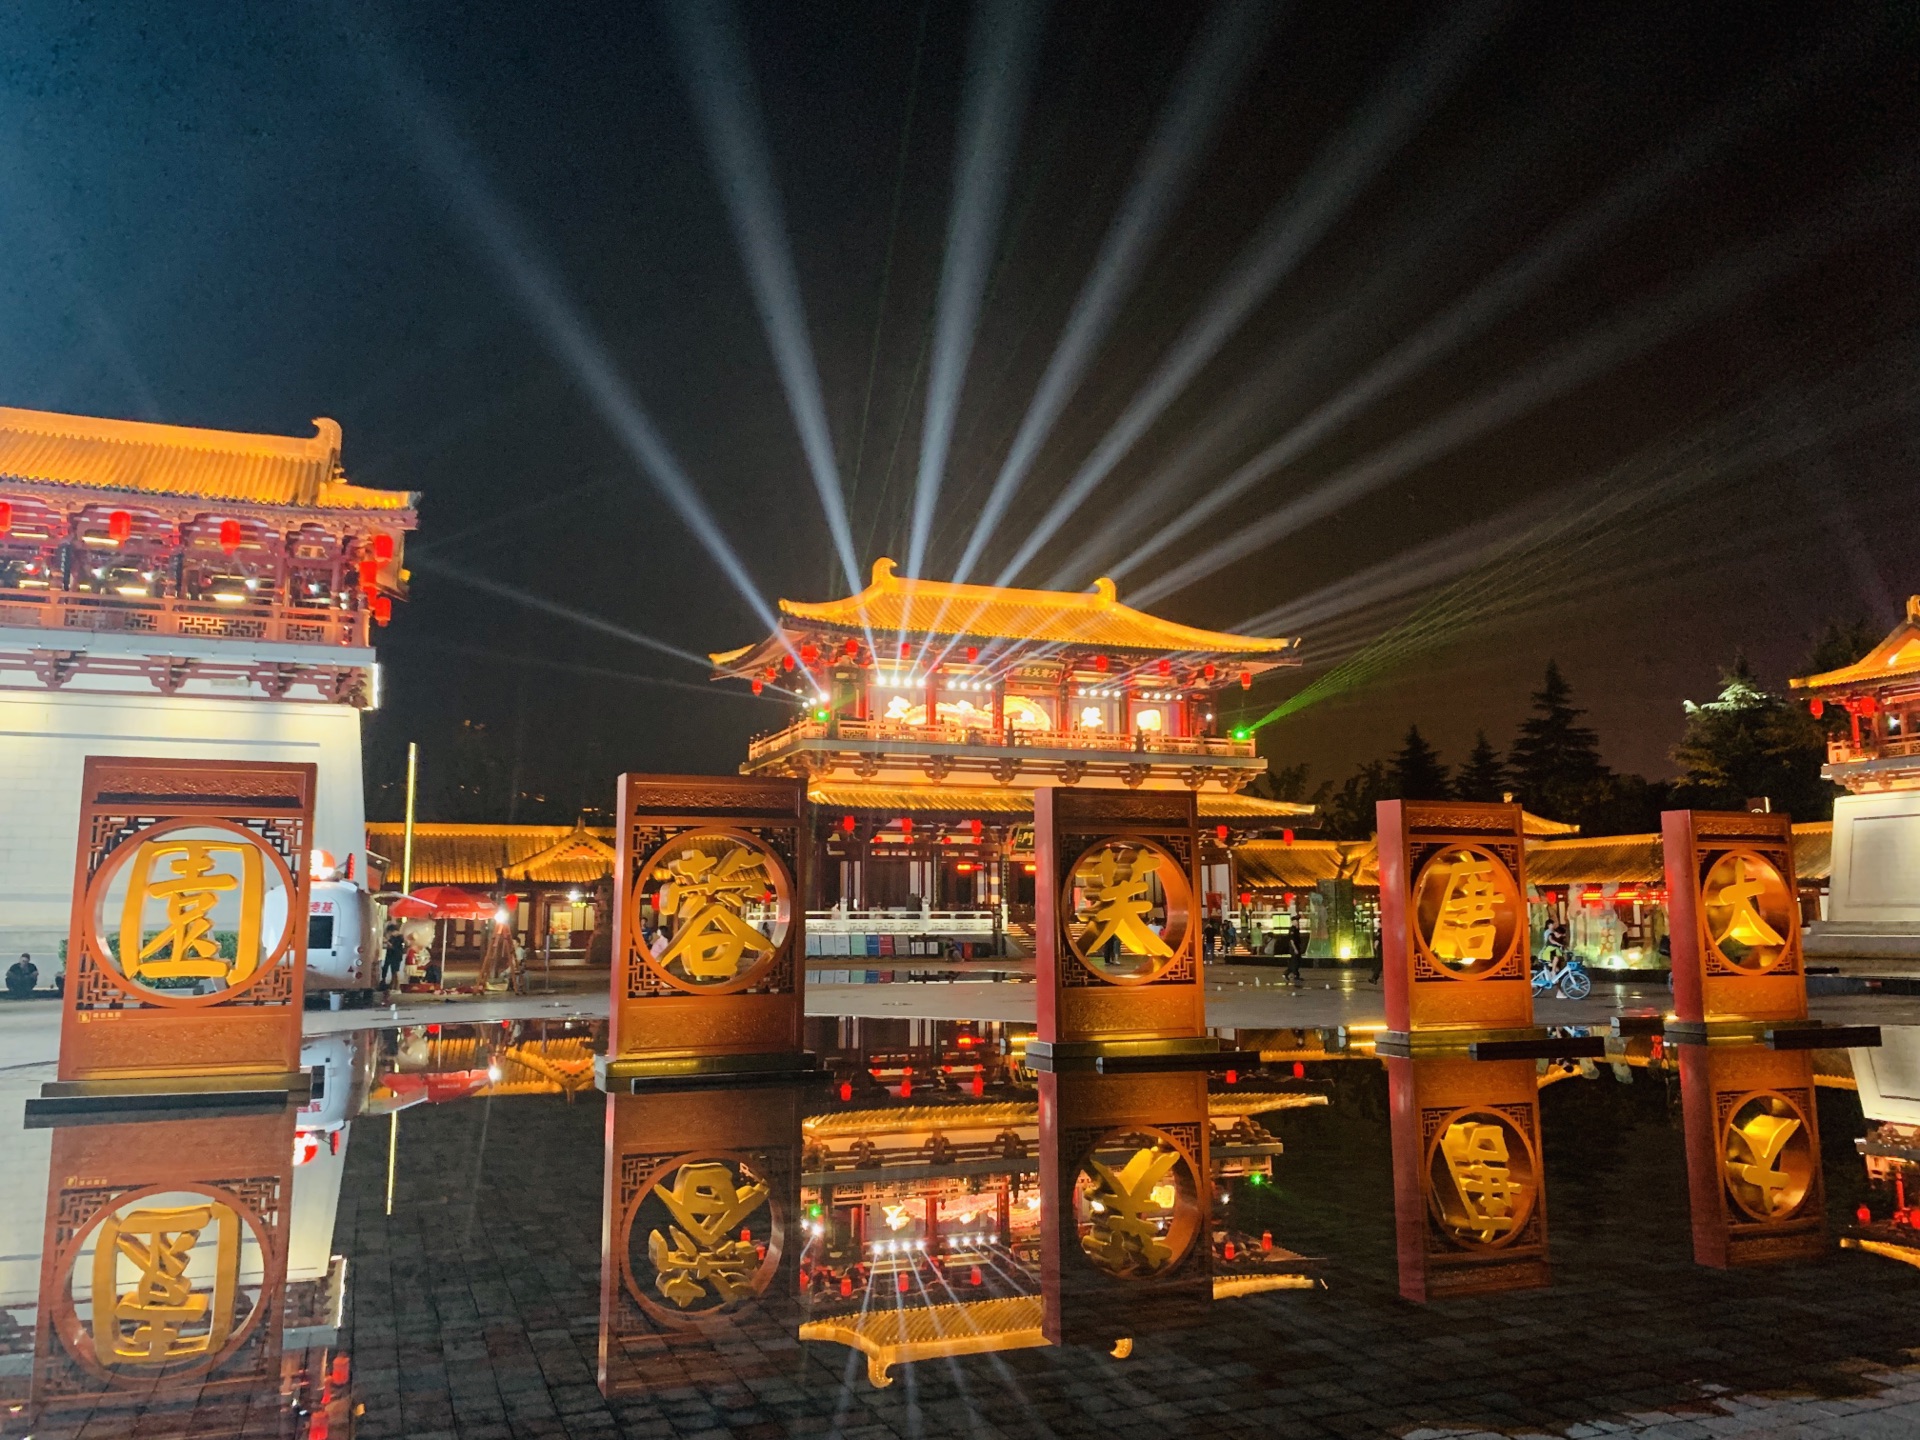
<point>197,619</point>
<point>948,733</point>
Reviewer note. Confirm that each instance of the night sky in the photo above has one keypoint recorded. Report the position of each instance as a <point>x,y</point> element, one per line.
<point>1603,350</point>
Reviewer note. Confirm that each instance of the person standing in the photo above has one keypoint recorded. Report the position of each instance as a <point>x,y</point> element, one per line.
<point>1296,950</point>
<point>393,958</point>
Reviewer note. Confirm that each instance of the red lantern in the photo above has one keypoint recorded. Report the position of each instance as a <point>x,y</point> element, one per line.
<point>979,1086</point>
<point>1816,707</point>
<point>906,826</point>
<point>1868,705</point>
<point>1246,679</point>
<point>809,654</point>
<point>977,828</point>
<point>846,1090</point>
<point>973,1276</point>
<point>758,686</point>
<point>1100,663</point>
<point>1220,833</point>
<point>383,547</point>
<point>6,517</point>
<point>382,609</point>
<point>847,823</point>
<point>973,653</point>
<point>1266,1242</point>
<point>1166,667</point>
<point>1226,1251</point>
<point>119,526</point>
<point>852,647</point>
<point>786,662</point>
<point>1299,1070</point>
<point>906,1089</point>
<point>369,575</point>
<point>1286,838</point>
<point>906,651</point>
<point>900,1283</point>
<point>1208,670</point>
<point>1233,1077</point>
<point>1246,898</point>
<point>229,535</point>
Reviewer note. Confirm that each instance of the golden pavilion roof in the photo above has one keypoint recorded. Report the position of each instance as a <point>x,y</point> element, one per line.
<point>1641,859</point>
<point>480,854</point>
<point>1094,619</point>
<point>894,1335</point>
<point>1014,800</point>
<point>1895,658</point>
<point>42,447</point>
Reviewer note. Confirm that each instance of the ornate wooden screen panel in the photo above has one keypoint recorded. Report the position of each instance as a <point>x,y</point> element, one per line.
<point>163,1270</point>
<point>1453,916</point>
<point>1754,1175</point>
<point>1126,1197</point>
<point>1469,1183</point>
<point>186,956</point>
<point>1116,920</point>
<point>702,1235</point>
<point>1735,917</point>
<point>709,945</point>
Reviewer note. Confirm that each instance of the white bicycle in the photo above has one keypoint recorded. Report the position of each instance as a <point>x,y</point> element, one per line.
<point>1562,971</point>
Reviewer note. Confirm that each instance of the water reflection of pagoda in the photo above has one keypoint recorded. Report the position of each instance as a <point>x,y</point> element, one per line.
<point>928,713</point>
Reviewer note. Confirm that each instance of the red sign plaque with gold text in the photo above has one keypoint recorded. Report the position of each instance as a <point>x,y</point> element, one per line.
<point>1453,918</point>
<point>1116,925</point>
<point>709,939</point>
<point>1754,1175</point>
<point>163,1269</point>
<point>1469,1182</point>
<point>187,951</point>
<point>1735,915</point>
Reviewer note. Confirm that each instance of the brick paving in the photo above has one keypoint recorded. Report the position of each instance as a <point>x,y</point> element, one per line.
<point>474,1309</point>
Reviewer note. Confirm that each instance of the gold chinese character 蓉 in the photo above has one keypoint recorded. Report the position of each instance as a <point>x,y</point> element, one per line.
<point>1464,931</point>
<point>1130,1206</point>
<point>706,896</point>
<point>166,1316</point>
<point>1117,903</point>
<point>1754,1158</point>
<point>187,878</point>
<point>706,1204</point>
<point>1481,1170</point>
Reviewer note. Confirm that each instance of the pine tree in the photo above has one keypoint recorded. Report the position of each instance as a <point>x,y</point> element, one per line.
<point>1349,812</point>
<point>1749,742</point>
<point>1484,776</point>
<point>1417,771</point>
<point>1555,760</point>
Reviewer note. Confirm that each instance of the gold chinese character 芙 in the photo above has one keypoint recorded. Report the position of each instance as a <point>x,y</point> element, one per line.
<point>1755,1158</point>
<point>1465,929</point>
<point>1130,1207</point>
<point>166,1316</point>
<point>189,881</point>
<point>706,1204</point>
<point>1117,903</point>
<point>706,896</point>
<point>1481,1170</point>
<point>1734,919</point>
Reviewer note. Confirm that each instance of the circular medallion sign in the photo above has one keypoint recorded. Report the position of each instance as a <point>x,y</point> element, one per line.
<point>1769,1156</point>
<point>712,910</point>
<point>1466,911</point>
<point>190,912</point>
<point>1127,904</point>
<point>162,1285</point>
<point>1482,1180</point>
<point>1749,909</point>
<point>1135,1204</point>
<point>703,1235</point>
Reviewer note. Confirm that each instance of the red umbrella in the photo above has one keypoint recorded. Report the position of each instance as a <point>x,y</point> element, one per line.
<point>442,902</point>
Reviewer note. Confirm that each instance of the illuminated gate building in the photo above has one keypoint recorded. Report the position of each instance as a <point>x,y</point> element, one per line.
<point>927,714</point>
<point>178,593</point>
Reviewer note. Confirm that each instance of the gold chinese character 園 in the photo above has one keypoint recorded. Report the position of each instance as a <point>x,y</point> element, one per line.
<point>1734,918</point>
<point>706,1204</point>
<point>1117,903</point>
<point>166,1316</point>
<point>187,877</point>
<point>1481,1170</point>
<point>1464,930</point>
<point>1130,1205</point>
<point>706,896</point>
<point>1757,1149</point>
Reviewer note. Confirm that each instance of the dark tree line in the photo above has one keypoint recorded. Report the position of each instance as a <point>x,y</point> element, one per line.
<point>1745,743</point>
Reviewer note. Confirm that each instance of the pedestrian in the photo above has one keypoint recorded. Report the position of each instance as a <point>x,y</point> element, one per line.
<point>1296,951</point>
<point>1379,961</point>
<point>393,958</point>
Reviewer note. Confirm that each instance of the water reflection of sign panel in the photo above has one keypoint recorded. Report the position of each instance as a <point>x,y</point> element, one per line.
<point>1469,1191</point>
<point>1453,928</point>
<point>702,1188</point>
<point>1753,1154</point>
<point>708,935</point>
<point>188,958</point>
<point>1735,919</point>
<point>163,1267</point>
<point>1119,964</point>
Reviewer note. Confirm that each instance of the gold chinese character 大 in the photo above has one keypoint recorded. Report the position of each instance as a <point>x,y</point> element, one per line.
<point>1128,909</point>
<point>1464,902</point>
<point>700,1261</point>
<point>149,1308</point>
<point>1747,905</point>
<point>189,879</point>
<point>1482,1180</point>
<point>1769,1157</point>
<point>704,903</point>
<point>1130,1223</point>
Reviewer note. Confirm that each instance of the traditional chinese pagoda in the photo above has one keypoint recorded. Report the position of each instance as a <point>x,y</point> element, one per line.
<point>1873,908</point>
<point>170,591</point>
<point>926,714</point>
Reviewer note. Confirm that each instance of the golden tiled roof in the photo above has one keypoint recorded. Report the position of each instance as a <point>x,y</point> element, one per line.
<point>920,608</point>
<point>133,456</point>
<point>1895,658</point>
<point>1012,800</point>
<point>891,1335</point>
<point>1641,859</point>
<point>477,854</point>
<point>1276,865</point>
